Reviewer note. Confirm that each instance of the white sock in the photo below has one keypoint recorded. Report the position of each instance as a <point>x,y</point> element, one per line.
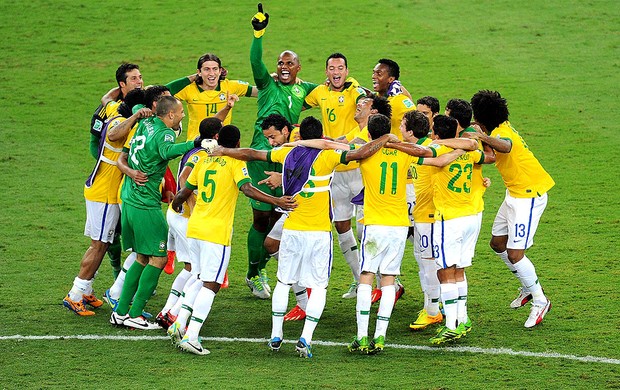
<point>529,279</point>
<point>80,287</point>
<point>348,246</point>
<point>388,294</point>
<point>316,304</point>
<point>188,301</point>
<point>422,275</point>
<point>176,290</point>
<point>504,256</point>
<point>301,296</point>
<point>117,287</point>
<point>176,308</point>
<point>434,291</point>
<point>362,309</point>
<point>202,307</point>
<point>449,297</point>
<point>279,303</point>
<point>461,304</point>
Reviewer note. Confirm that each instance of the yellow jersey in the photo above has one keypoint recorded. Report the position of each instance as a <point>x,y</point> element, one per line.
<point>337,108</point>
<point>217,180</point>
<point>104,182</point>
<point>189,160</point>
<point>384,175</point>
<point>203,104</point>
<point>452,189</point>
<point>422,176</point>
<point>313,212</point>
<point>522,173</point>
<point>477,179</point>
<point>400,105</point>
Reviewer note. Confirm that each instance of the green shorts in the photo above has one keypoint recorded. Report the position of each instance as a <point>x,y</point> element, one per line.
<point>144,231</point>
<point>257,169</point>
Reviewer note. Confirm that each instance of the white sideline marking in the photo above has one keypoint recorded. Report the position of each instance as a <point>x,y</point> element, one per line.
<point>488,351</point>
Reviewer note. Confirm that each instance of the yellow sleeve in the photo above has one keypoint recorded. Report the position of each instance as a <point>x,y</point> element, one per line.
<point>130,137</point>
<point>278,155</point>
<point>312,99</point>
<point>240,173</point>
<point>192,180</point>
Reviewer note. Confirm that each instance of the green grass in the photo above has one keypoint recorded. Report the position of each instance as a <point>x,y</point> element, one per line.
<point>556,62</point>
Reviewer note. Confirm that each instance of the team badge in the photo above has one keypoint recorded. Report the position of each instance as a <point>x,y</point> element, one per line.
<point>222,97</point>
<point>340,99</point>
<point>97,125</point>
<point>162,245</point>
<point>168,138</point>
<point>297,91</point>
<point>408,103</point>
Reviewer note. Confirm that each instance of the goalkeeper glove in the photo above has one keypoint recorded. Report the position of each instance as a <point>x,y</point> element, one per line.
<point>260,21</point>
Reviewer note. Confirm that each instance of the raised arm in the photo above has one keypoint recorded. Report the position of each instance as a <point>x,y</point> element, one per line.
<point>244,154</point>
<point>111,96</point>
<point>119,132</point>
<point>371,147</point>
<point>501,145</point>
<point>230,103</point>
<point>259,70</point>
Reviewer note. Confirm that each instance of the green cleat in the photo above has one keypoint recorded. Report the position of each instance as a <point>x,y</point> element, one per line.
<point>376,345</point>
<point>360,345</point>
<point>445,335</point>
<point>467,325</point>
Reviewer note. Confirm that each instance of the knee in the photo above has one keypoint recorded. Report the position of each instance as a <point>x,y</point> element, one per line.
<point>497,245</point>
<point>515,255</point>
<point>271,245</point>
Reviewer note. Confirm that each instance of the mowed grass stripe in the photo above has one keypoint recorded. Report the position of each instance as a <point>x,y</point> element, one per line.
<point>484,351</point>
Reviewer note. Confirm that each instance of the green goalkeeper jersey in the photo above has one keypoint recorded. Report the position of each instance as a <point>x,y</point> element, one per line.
<point>152,146</point>
<point>273,96</point>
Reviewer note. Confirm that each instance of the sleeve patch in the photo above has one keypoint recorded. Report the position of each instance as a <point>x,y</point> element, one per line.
<point>169,138</point>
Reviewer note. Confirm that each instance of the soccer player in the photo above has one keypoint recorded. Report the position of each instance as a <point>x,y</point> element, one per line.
<point>385,82</point>
<point>207,91</point>
<point>102,209</point>
<point>429,106</point>
<point>527,184</point>
<point>186,282</point>
<point>338,102</point>
<point>144,227</point>
<point>218,181</point>
<point>306,248</point>
<point>282,96</point>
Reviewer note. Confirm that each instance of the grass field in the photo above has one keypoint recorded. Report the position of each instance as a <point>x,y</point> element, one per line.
<point>556,62</point>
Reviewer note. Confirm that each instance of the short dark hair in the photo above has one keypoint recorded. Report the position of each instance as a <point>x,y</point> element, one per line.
<point>336,55</point>
<point>393,68</point>
<point>444,126</point>
<point>431,102</point>
<point>165,104</point>
<point>204,58</point>
<point>277,121</point>
<point>382,105</point>
<point>133,98</point>
<point>229,136</point>
<point>378,125</point>
<point>209,127</point>
<point>417,122</point>
<point>310,128</point>
<point>121,72</point>
<point>461,111</point>
<point>153,93</point>
<point>490,109</point>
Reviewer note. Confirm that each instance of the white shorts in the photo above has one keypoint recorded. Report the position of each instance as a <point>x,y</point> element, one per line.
<point>177,236</point>
<point>212,259</point>
<point>383,248</point>
<point>454,241</point>
<point>344,187</point>
<point>518,219</point>
<point>276,231</point>
<point>101,220</point>
<point>410,202</point>
<point>306,258</point>
<point>423,240</point>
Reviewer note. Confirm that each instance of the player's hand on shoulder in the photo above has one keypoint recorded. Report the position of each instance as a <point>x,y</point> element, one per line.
<point>393,138</point>
<point>144,112</point>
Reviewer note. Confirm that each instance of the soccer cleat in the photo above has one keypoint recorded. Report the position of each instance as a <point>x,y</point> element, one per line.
<point>77,307</point>
<point>424,320</point>
<point>117,319</point>
<point>147,315</point>
<point>140,323</point>
<point>275,344</point>
<point>521,299</point>
<point>537,313</point>
<point>92,300</point>
<point>176,332</point>
<point>256,286</point>
<point>445,335</point>
<point>399,292</point>
<point>375,296</point>
<point>169,268</point>
<point>467,325</point>
<point>111,301</point>
<point>352,291</point>
<point>303,348</point>
<point>376,345</point>
<point>165,320</point>
<point>225,282</point>
<point>360,345</point>
<point>296,314</point>
<point>265,280</point>
<point>193,346</point>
